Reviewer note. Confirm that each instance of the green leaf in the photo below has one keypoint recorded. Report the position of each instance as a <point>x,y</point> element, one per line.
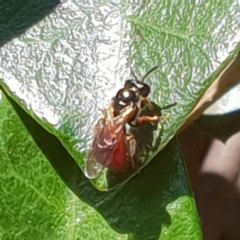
<point>157,204</point>
<point>35,203</point>
<point>17,16</point>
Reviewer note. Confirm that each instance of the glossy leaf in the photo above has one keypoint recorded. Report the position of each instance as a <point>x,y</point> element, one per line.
<point>35,203</point>
<point>68,71</point>
<point>157,204</point>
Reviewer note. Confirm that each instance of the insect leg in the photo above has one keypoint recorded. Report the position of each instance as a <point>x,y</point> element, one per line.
<point>131,143</point>
<point>148,119</point>
<point>132,150</point>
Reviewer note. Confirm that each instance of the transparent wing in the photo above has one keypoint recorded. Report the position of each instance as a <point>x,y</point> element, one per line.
<point>92,169</point>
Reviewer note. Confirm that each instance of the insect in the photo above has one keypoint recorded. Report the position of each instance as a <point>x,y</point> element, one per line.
<point>135,93</point>
<point>113,147</point>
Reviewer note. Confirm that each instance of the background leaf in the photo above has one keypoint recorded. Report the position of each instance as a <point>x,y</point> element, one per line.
<point>35,203</point>
<point>155,205</point>
<point>17,16</point>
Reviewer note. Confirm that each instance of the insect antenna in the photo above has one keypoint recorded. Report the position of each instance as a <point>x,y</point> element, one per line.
<point>169,106</point>
<point>132,72</point>
<point>150,71</point>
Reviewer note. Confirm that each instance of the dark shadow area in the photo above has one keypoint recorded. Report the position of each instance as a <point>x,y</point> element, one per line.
<point>220,126</point>
<point>17,16</point>
<point>137,208</point>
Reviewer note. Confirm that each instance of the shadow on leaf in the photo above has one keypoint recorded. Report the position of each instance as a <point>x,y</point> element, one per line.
<point>137,208</point>
<point>17,16</point>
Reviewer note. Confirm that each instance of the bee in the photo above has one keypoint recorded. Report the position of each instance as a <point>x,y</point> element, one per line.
<point>135,93</point>
<point>113,147</point>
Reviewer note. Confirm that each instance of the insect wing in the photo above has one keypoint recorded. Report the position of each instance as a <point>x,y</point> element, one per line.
<point>106,144</point>
<point>93,168</point>
<point>101,155</point>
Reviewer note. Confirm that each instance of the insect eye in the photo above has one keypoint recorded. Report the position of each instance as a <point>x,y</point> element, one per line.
<point>137,86</point>
<point>129,84</point>
<point>145,90</point>
<point>127,95</point>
